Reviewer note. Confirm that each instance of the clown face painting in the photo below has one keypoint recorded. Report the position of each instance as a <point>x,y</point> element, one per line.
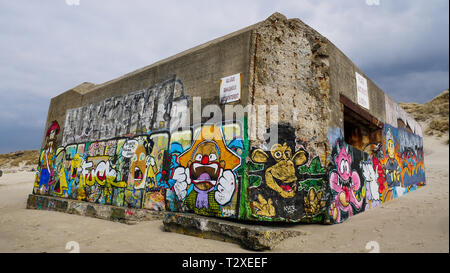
<point>205,181</point>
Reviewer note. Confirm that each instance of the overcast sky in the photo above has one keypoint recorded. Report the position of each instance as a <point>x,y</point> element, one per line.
<point>49,46</point>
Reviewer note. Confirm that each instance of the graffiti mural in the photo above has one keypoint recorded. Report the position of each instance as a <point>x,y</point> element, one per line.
<point>313,182</point>
<point>206,179</point>
<point>136,151</point>
<point>45,167</point>
<point>345,183</point>
<point>374,177</point>
<point>208,170</point>
<point>402,160</point>
<point>157,171</point>
<point>282,185</point>
<point>382,173</point>
<point>160,106</point>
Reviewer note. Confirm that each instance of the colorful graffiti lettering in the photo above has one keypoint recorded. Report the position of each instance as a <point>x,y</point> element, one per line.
<point>142,172</point>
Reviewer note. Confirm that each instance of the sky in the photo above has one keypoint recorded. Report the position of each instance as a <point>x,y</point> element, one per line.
<point>50,46</point>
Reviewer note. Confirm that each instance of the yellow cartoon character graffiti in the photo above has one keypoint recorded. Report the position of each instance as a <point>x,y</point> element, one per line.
<point>138,167</point>
<point>392,167</point>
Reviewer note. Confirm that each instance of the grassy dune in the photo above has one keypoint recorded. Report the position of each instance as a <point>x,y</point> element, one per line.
<point>433,114</point>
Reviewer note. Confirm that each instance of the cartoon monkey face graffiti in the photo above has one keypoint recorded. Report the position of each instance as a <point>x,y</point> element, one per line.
<point>281,177</point>
<point>205,166</point>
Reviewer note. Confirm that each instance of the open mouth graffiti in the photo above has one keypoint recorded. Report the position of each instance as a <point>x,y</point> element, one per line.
<point>345,185</point>
<point>205,174</point>
<point>138,175</point>
<point>74,172</point>
<point>289,186</point>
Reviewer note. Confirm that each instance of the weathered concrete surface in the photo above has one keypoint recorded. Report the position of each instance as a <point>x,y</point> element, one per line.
<point>253,237</point>
<point>290,69</point>
<point>249,236</point>
<point>342,81</point>
<point>105,212</point>
<point>200,70</point>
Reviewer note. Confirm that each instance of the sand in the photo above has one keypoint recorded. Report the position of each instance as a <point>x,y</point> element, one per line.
<point>416,222</point>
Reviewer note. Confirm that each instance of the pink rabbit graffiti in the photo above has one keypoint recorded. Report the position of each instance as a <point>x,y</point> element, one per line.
<point>345,183</point>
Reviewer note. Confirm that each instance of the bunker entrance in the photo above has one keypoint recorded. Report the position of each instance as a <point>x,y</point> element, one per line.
<point>361,130</point>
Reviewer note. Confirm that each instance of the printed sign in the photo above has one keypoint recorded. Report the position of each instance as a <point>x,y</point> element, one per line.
<point>363,93</point>
<point>230,88</point>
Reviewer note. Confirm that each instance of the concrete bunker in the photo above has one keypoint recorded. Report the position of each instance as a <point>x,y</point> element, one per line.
<point>141,141</point>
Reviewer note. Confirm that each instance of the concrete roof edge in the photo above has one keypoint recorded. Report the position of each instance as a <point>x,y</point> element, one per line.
<point>168,59</point>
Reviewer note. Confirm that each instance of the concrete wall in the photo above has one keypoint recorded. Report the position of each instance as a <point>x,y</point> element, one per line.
<point>319,177</point>
<point>199,69</point>
<point>343,81</point>
<point>116,143</point>
<point>287,180</point>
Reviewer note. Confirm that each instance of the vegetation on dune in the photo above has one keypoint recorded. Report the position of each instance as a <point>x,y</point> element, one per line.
<point>28,159</point>
<point>433,113</point>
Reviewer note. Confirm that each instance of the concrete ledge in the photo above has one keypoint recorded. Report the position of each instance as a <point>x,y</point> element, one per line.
<point>105,212</point>
<point>254,237</point>
<point>248,236</point>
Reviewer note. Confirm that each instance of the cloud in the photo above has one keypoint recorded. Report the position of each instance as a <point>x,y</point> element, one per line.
<point>49,46</point>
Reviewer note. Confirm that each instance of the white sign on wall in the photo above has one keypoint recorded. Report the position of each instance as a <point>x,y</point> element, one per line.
<point>230,88</point>
<point>362,91</point>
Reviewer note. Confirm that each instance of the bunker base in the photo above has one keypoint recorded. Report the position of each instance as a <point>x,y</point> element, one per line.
<point>254,237</point>
<point>105,212</point>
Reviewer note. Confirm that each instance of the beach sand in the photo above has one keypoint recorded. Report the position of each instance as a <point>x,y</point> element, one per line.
<point>415,222</point>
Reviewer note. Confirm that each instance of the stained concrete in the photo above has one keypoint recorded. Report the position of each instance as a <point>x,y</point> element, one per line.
<point>199,69</point>
<point>253,237</point>
<point>105,212</point>
<point>282,61</point>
